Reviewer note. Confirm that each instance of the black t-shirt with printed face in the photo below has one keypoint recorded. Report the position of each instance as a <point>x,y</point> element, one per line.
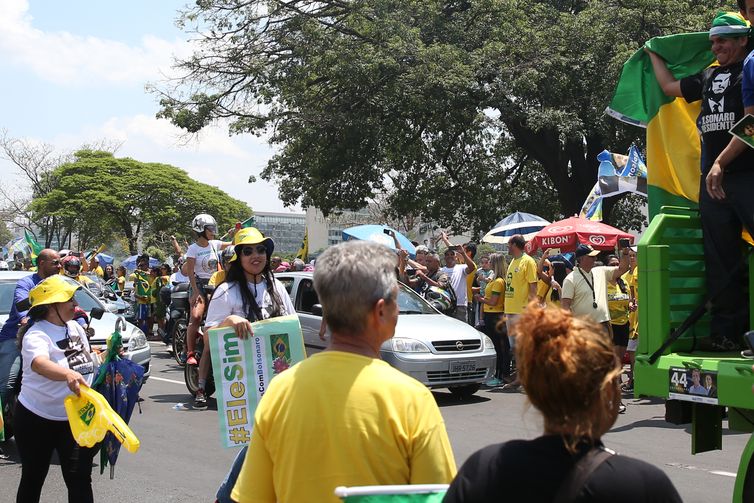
<point>533,471</point>
<point>719,89</point>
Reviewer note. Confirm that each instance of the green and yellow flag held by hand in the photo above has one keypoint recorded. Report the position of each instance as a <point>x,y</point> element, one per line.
<point>33,245</point>
<point>303,252</point>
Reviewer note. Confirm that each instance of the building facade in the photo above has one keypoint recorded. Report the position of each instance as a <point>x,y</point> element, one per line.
<point>286,229</point>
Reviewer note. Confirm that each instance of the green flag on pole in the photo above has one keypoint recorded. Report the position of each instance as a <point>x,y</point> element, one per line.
<point>417,493</point>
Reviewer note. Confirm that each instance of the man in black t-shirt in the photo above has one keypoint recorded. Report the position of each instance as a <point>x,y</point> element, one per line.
<point>719,90</point>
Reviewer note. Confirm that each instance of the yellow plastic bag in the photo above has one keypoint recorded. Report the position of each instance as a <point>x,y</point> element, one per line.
<point>91,417</point>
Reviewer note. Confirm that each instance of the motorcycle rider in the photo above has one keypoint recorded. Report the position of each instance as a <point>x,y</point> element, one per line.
<point>249,293</point>
<point>202,259</point>
<point>71,267</point>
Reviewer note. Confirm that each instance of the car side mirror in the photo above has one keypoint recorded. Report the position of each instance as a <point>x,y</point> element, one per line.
<point>317,309</point>
<point>97,313</point>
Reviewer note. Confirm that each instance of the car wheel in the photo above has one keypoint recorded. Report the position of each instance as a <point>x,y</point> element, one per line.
<point>465,391</point>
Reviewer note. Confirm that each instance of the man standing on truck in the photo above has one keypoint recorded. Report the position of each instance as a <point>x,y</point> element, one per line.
<point>725,202</point>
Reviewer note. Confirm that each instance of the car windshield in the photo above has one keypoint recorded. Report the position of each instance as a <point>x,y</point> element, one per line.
<point>409,302</point>
<point>84,297</point>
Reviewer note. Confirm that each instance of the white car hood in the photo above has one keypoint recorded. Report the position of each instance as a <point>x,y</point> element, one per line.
<point>434,327</point>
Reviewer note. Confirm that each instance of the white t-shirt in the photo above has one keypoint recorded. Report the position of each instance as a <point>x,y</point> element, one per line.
<point>457,275</point>
<point>39,394</point>
<point>576,288</point>
<point>227,300</point>
<point>207,258</point>
<point>178,277</point>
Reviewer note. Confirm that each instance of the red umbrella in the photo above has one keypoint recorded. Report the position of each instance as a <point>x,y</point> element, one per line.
<point>567,234</point>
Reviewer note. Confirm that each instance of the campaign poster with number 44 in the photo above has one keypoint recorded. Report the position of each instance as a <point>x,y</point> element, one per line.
<point>243,369</point>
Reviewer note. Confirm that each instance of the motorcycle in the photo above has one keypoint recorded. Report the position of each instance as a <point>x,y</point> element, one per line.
<point>179,320</point>
<point>191,372</point>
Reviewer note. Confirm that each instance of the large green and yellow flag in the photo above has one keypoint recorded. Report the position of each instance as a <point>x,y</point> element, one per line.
<point>33,245</point>
<point>303,252</point>
<point>673,145</point>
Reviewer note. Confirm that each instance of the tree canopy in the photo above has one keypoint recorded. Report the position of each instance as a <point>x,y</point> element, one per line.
<point>107,197</point>
<point>455,110</point>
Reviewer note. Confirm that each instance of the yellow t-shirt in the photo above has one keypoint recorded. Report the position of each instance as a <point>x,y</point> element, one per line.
<point>99,272</point>
<point>617,303</point>
<point>216,278</point>
<point>340,419</point>
<point>121,283</point>
<point>632,280</point>
<point>544,292</point>
<point>469,282</point>
<point>496,286</point>
<point>522,272</point>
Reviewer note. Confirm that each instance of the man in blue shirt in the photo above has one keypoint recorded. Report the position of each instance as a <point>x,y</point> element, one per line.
<point>48,263</point>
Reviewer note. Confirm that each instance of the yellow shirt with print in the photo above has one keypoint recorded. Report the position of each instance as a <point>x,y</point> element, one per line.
<point>522,272</point>
<point>495,287</point>
<point>617,303</point>
<point>379,427</point>
<point>632,280</point>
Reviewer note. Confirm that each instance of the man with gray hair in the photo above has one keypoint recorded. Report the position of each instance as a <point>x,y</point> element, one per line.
<point>343,417</point>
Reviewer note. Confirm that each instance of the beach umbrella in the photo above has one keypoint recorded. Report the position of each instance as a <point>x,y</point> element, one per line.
<point>119,380</point>
<point>130,262</point>
<point>377,234</point>
<point>104,260</point>
<point>515,223</point>
<point>569,233</point>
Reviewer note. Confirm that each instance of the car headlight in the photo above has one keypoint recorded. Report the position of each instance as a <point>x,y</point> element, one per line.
<point>403,345</point>
<point>138,340</point>
<point>488,344</point>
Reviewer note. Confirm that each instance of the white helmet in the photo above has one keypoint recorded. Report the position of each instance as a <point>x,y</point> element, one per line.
<point>202,221</point>
<point>4,266</point>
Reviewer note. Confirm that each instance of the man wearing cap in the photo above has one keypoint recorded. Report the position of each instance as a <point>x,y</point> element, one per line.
<point>48,263</point>
<point>584,290</point>
<point>725,201</point>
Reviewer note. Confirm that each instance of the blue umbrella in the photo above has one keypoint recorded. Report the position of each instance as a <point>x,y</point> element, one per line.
<point>515,223</point>
<point>130,262</point>
<point>119,380</point>
<point>104,260</point>
<point>377,234</point>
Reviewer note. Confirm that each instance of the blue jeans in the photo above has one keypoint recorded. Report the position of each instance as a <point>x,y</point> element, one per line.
<point>10,366</point>
<point>223,492</point>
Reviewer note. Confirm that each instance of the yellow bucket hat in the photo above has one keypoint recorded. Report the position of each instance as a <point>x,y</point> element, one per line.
<point>251,236</point>
<point>52,290</point>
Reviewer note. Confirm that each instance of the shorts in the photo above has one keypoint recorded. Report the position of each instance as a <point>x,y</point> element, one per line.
<point>159,310</point>
<point>632,345</point>
<point>620,335</point>
<point>142,311</point>
<point>201,284</point>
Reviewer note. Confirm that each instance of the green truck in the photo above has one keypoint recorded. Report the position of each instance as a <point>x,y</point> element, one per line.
<point>700,387</point>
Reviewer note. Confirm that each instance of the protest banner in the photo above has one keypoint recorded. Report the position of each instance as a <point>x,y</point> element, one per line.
<point>243,369</point>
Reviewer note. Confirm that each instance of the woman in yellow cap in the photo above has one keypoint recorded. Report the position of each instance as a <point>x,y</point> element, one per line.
<point>56,362</point>
<point>249,293</point>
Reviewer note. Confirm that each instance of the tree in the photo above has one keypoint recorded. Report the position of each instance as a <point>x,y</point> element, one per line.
<point>450,109</point>
<point>108,197</point>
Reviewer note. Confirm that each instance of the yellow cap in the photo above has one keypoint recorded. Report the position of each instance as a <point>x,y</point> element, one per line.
<point>52,290</point>
<point>251,236</point>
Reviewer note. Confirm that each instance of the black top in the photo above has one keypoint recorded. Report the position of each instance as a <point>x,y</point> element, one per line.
<point>533,470</point>
<point>719,88</point>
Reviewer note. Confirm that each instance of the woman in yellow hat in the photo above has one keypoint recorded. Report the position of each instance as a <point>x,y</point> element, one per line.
<point>56,362</point>
<point>249,293</point>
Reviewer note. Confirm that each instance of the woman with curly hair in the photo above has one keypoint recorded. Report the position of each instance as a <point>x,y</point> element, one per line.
<point>569,369</point>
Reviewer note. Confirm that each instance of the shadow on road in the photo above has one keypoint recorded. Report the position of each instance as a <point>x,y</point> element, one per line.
<point>449,400</point>
<point>184,399</point>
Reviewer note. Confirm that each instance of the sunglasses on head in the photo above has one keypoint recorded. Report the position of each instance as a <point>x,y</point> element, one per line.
<point>248,250</point>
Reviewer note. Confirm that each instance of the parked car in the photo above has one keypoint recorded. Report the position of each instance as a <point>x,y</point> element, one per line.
<point>134,340</point>
<point>437,350</point>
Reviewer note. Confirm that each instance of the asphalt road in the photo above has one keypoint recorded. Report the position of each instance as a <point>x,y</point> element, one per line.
<point>181,459</point>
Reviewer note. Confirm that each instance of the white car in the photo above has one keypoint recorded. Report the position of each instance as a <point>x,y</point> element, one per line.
<point>436,350</point>
<point>134,340</point>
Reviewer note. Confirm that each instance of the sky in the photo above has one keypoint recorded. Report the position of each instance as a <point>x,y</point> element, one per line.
<point>74,72</point>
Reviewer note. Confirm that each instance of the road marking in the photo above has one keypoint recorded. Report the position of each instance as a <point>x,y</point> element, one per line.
<point>724,474</point>
<point>696,468</point>
<point>166,380</point>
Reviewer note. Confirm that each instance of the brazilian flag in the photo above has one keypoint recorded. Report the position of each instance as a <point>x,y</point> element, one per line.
<point>33,245</point>
<point>673,144</point>
<point>417,493</point>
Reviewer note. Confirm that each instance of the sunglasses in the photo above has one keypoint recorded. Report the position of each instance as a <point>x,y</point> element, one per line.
<point>247,251</point>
